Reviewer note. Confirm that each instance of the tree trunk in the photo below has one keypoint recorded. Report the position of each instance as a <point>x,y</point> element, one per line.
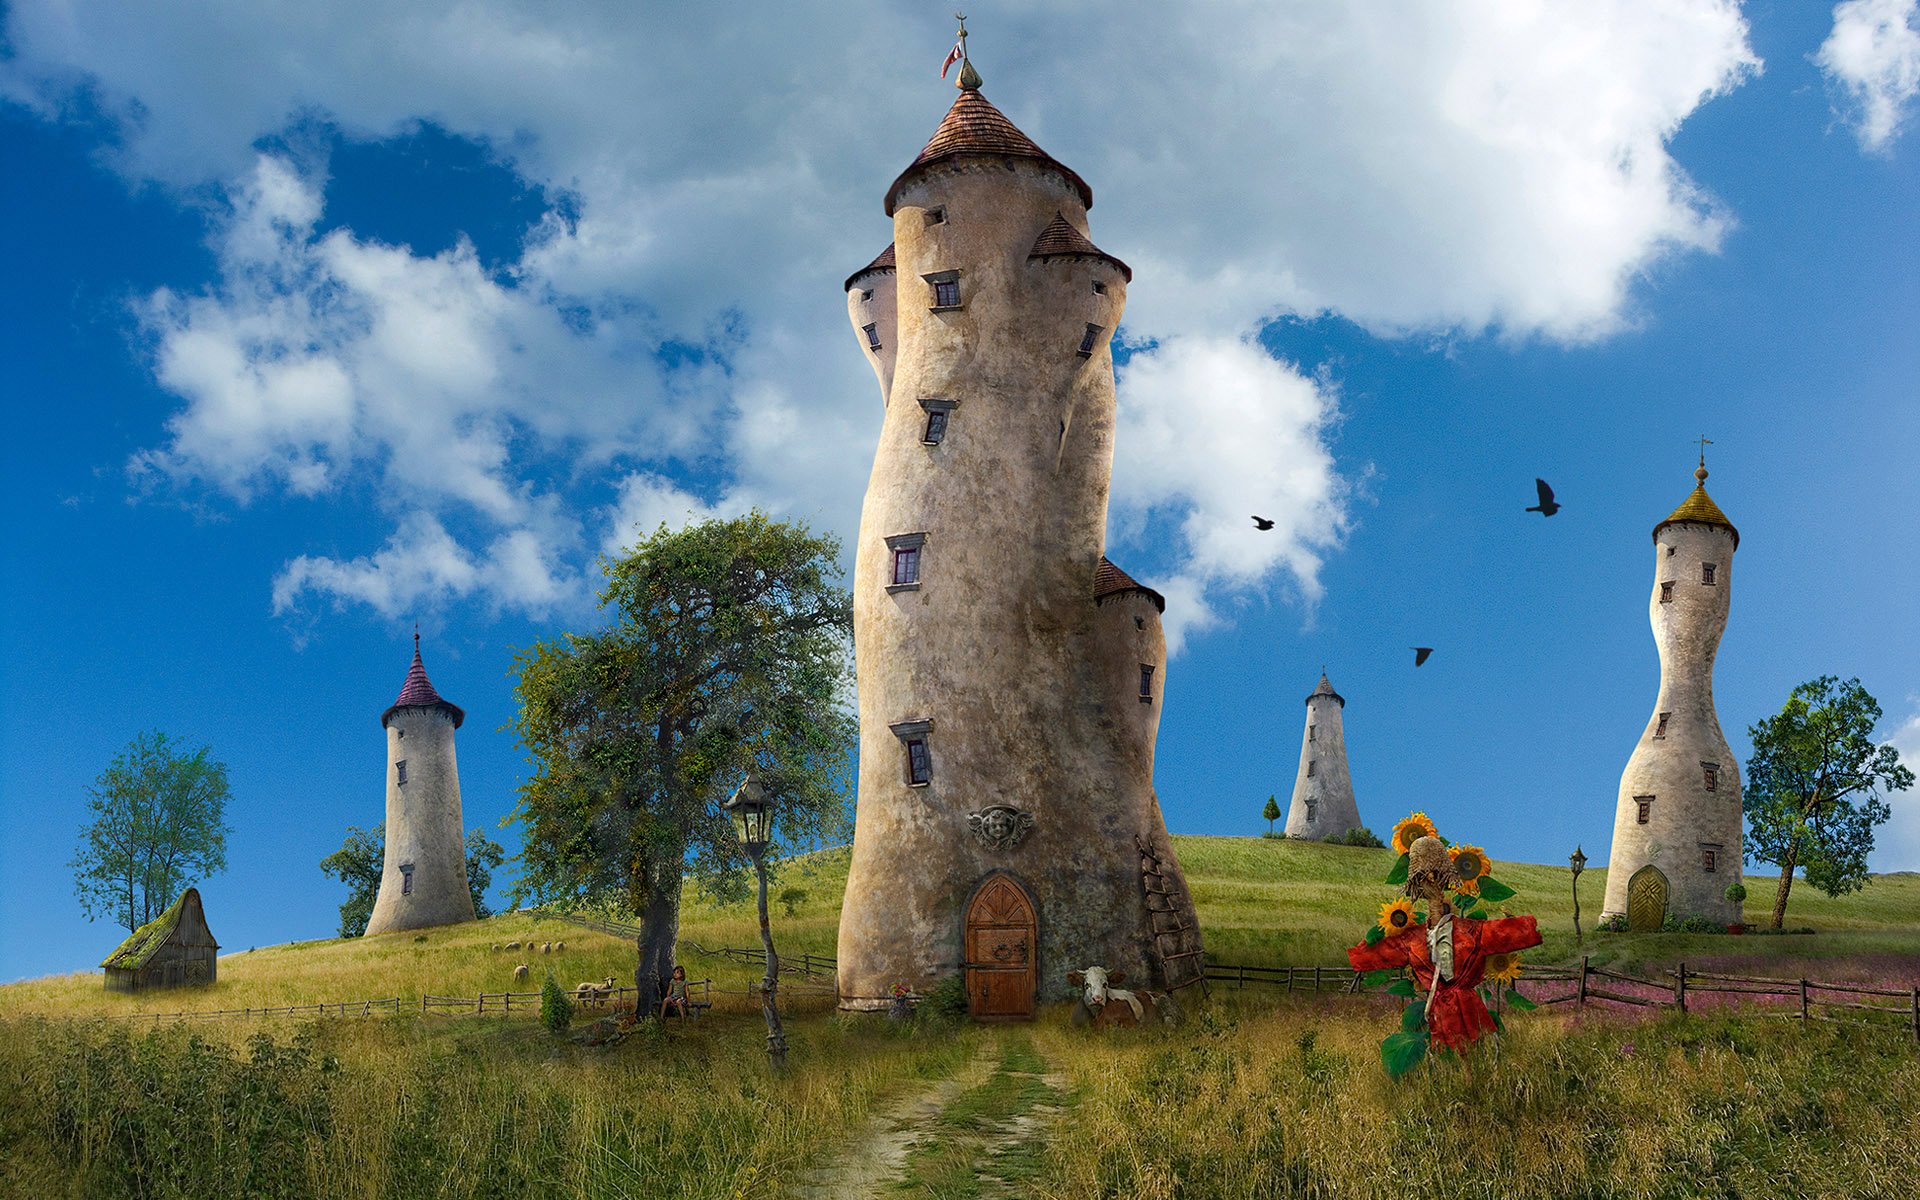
<point>1786,882</point>
<point>659,930</point>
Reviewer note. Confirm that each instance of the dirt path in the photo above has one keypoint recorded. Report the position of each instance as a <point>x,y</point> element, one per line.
<point>974,1134</point>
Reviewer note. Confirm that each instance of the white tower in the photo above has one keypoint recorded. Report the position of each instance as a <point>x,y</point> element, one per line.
<point>1323,805</point>
<point>1677,827</point>
<point>424,878</point>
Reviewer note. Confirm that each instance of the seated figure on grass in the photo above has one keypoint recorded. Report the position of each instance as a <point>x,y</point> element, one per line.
<point>1450,947</point>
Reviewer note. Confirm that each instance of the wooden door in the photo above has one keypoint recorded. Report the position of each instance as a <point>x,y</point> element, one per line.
<point>1001,972</point>
<point>1647,899</point>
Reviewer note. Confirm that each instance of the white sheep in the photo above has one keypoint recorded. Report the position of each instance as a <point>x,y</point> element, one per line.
<point>496,947</point>
<point>513,945</point>
<point>546,947</point>
<point>559,946</point>
<point>520,972</point>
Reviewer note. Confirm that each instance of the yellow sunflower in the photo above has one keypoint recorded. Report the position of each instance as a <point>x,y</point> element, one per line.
<point>1396,915</point>
<point>1503,968</point>
<point>1469,867</point>
<point>1414,827</point>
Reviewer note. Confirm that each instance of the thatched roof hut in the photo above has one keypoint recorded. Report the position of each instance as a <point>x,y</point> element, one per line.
<point>174,948</point>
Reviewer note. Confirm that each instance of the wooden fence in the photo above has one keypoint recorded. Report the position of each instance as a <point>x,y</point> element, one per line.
<point>804,963</point>
<point>1669,989</point>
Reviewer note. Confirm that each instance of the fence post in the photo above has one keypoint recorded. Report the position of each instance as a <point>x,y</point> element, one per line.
<point>1916,1014</point>
<point>1680,989</point>
<point>1583,979</point>
<point>1316,981</point>
<point>1803,1001</point>
<point>423,1004</point>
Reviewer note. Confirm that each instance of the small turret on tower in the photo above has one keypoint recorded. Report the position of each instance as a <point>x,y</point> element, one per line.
<point>423,879</point>
<point>1323,805</point>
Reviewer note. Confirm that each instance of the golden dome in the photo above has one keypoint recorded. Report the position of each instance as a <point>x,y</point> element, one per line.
<point>1700,509</point>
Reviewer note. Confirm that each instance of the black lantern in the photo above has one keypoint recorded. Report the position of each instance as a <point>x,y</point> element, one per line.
<point>1577,860</point>
<point>751,809</point>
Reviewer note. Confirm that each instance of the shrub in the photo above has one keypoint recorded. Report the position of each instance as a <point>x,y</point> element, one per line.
<point>792,898</point>
<point>1617,923</point>
<point>1693,924</point>
<point>1360,836</point>
<point>1736,893</point>
<point>556,1011</point>
<point>945,1001</point>
<point>1273,834</point>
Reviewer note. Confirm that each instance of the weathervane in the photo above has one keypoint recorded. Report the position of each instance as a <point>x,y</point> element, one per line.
<point>969,79</point>
<point>1705,441</point>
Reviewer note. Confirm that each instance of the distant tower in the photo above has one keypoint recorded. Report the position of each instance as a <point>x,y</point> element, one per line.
<point>1677,828</point>
<point>424,879</point>
<point>1323,804</point>
<point>1010,676</point>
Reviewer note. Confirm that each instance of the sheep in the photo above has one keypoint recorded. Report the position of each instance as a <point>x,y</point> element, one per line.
<point>559,946</point>
<point>496,947</point>
<point>546,947</point>
<point>513,945</point>
<point>520,972</point>
<point>588,992</point>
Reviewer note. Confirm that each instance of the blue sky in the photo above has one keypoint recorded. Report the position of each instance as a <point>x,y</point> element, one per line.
<point>317,324</point>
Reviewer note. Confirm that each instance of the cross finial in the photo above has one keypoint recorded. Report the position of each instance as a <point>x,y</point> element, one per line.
<point>1701,472</point>
<point>969,80</point>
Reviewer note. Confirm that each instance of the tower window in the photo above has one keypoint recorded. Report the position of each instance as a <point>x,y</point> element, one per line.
<point>936,216</point>
<point>1309,768</point>
<point>406,879</point>
<point>873,335</point>
<point>1645,805</point>
<point>400,772</point>
<point>1087,340</point>
<point>1660,730</point>
<point>1099,288</point>
<point>905,573</point>
<point>1706,573</point>
<point>1146,684</point>
<point>913,739</point>
<point>1313,733</point>
<point>867,294</point>
<point>1666,593</point>
<point>1313,806</point>
<point>1712,774</point>
<point>938,411</point>
<point>1669,548</point>
<point>1709,856</point>
<point>946,289</point>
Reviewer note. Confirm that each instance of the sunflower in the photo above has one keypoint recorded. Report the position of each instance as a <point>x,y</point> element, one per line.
<point>1469,867</point>
<point>1414,827</point>
<point>1396,915</point>
<point>1503,968</point>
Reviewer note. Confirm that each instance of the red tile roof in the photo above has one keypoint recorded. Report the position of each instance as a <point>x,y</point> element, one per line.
<point>973,126</point>
<point>417,692</point>
<point>1061,238</point>
<point>1110,580</point>
<point>884,262</point>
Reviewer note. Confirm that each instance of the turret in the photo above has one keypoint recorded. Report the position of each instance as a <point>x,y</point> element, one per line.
<point>1677,821</point>
<point>423,878</point>
<point>1323,805</point>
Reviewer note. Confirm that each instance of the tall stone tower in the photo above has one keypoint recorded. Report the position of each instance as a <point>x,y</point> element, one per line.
<point>1323,804</point>
<point>1010,676</point>
<point>1677,827</point>
<point>424,878</point>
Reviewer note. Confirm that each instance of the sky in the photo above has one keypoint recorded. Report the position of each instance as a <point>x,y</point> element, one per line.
<point>321,321</point>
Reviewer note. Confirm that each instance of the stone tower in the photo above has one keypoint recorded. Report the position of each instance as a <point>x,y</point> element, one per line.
<point>424,878</point>
<point>1323,804</point>
<point>1677,826</point>
<point>1010,676</point>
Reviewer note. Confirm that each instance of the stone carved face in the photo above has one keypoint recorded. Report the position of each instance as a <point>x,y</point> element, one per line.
<point>1000,826</point>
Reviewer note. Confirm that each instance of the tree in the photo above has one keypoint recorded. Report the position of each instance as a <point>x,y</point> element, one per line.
<point>728,648</point>
<point>159,820</point>
<point>361,858</point>
<point>1272,813</point>
<point>1808,760</point>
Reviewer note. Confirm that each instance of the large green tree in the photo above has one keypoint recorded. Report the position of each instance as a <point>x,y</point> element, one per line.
<point>1813,785</point>
<point>359,860</point>
<point>729,647</point>
<point>158,822</point>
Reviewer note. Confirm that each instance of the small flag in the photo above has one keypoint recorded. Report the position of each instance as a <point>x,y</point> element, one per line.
<point>953,56</point>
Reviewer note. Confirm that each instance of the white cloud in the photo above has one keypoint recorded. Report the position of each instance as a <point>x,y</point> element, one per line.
<point>1897,843</point>
<point>1873,55</point>
<point>1492,165</point>
<point>645,503</point>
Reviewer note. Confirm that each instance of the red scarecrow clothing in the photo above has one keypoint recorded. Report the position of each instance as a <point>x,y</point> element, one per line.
<point>1455,1015</point>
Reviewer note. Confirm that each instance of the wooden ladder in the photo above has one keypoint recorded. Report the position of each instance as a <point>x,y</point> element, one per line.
<point>1182,968</point>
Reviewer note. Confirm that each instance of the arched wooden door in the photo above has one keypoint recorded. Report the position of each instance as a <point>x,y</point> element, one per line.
<point>1001,972</point>
<point>1647,899</point>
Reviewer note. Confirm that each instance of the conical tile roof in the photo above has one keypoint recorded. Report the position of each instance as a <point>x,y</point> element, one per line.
<point>1699,508</point>
<point>1326,689</point>
<point>1061,238</point>
<point>417,692</point>
<point>973,126</point>
<point>1110,580</point>
<point>882,262</point>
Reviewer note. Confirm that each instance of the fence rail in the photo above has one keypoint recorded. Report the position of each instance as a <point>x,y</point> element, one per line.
<point>804,963</point>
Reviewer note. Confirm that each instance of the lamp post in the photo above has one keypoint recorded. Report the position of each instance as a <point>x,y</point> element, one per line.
<point>1578,862</point>
<point>751,809</point>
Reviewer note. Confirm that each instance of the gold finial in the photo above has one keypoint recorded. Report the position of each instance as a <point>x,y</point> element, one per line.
<point>969,79</point>
<point>1701,472</point>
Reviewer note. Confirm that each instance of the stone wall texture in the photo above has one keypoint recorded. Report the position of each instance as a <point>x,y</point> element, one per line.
<point>423,826</point>
<point>1323,805</point>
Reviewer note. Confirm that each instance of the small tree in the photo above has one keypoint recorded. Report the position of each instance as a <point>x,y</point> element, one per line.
<point>159,820</point>
<point>360,859</point>
<point>1813,786</point>
<point>1272,813</point>
<point>556,1011</point>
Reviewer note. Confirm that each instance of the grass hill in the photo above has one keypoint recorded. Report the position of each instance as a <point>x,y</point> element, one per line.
<point>1261,902</point>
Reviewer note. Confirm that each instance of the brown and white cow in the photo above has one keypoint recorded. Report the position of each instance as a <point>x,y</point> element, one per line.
<point>1102,1004</point>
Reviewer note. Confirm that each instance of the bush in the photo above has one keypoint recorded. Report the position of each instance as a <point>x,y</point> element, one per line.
<point>556,1011</point>
<point>1273,834</point>
<point>946,1001</point>
<point>792,898</point>
<point>1617,923</point>
<point>1693,924</point>
<point>1736,893</point>
<point>1361,836</point>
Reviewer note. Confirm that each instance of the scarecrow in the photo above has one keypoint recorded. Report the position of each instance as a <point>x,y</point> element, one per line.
<point>1450,952</point>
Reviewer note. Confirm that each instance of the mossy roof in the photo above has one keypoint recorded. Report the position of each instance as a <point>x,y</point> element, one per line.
<point>1699,508</point>
<point>146,940</point>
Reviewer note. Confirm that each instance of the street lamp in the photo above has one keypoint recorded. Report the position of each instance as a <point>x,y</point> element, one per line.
<point>1578,862</point>
<point>751,809</point>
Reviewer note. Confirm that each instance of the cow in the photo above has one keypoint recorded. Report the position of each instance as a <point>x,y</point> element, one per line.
<point>1102,1004</point>
<point>520,972</point>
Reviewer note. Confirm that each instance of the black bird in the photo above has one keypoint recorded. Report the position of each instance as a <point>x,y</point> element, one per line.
<point>1547,506</point>
<point>1420,654</point>
<point>1262,523</point>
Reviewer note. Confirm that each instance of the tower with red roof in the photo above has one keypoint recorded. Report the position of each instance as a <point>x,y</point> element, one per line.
<point>423,880</point>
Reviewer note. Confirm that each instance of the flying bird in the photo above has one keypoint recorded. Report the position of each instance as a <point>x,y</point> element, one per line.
<point>1262,523</point>
<point>1547,506</point>
<point>1420,654</point>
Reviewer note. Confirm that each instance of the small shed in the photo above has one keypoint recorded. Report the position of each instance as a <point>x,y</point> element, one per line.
<point>173,949</point>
